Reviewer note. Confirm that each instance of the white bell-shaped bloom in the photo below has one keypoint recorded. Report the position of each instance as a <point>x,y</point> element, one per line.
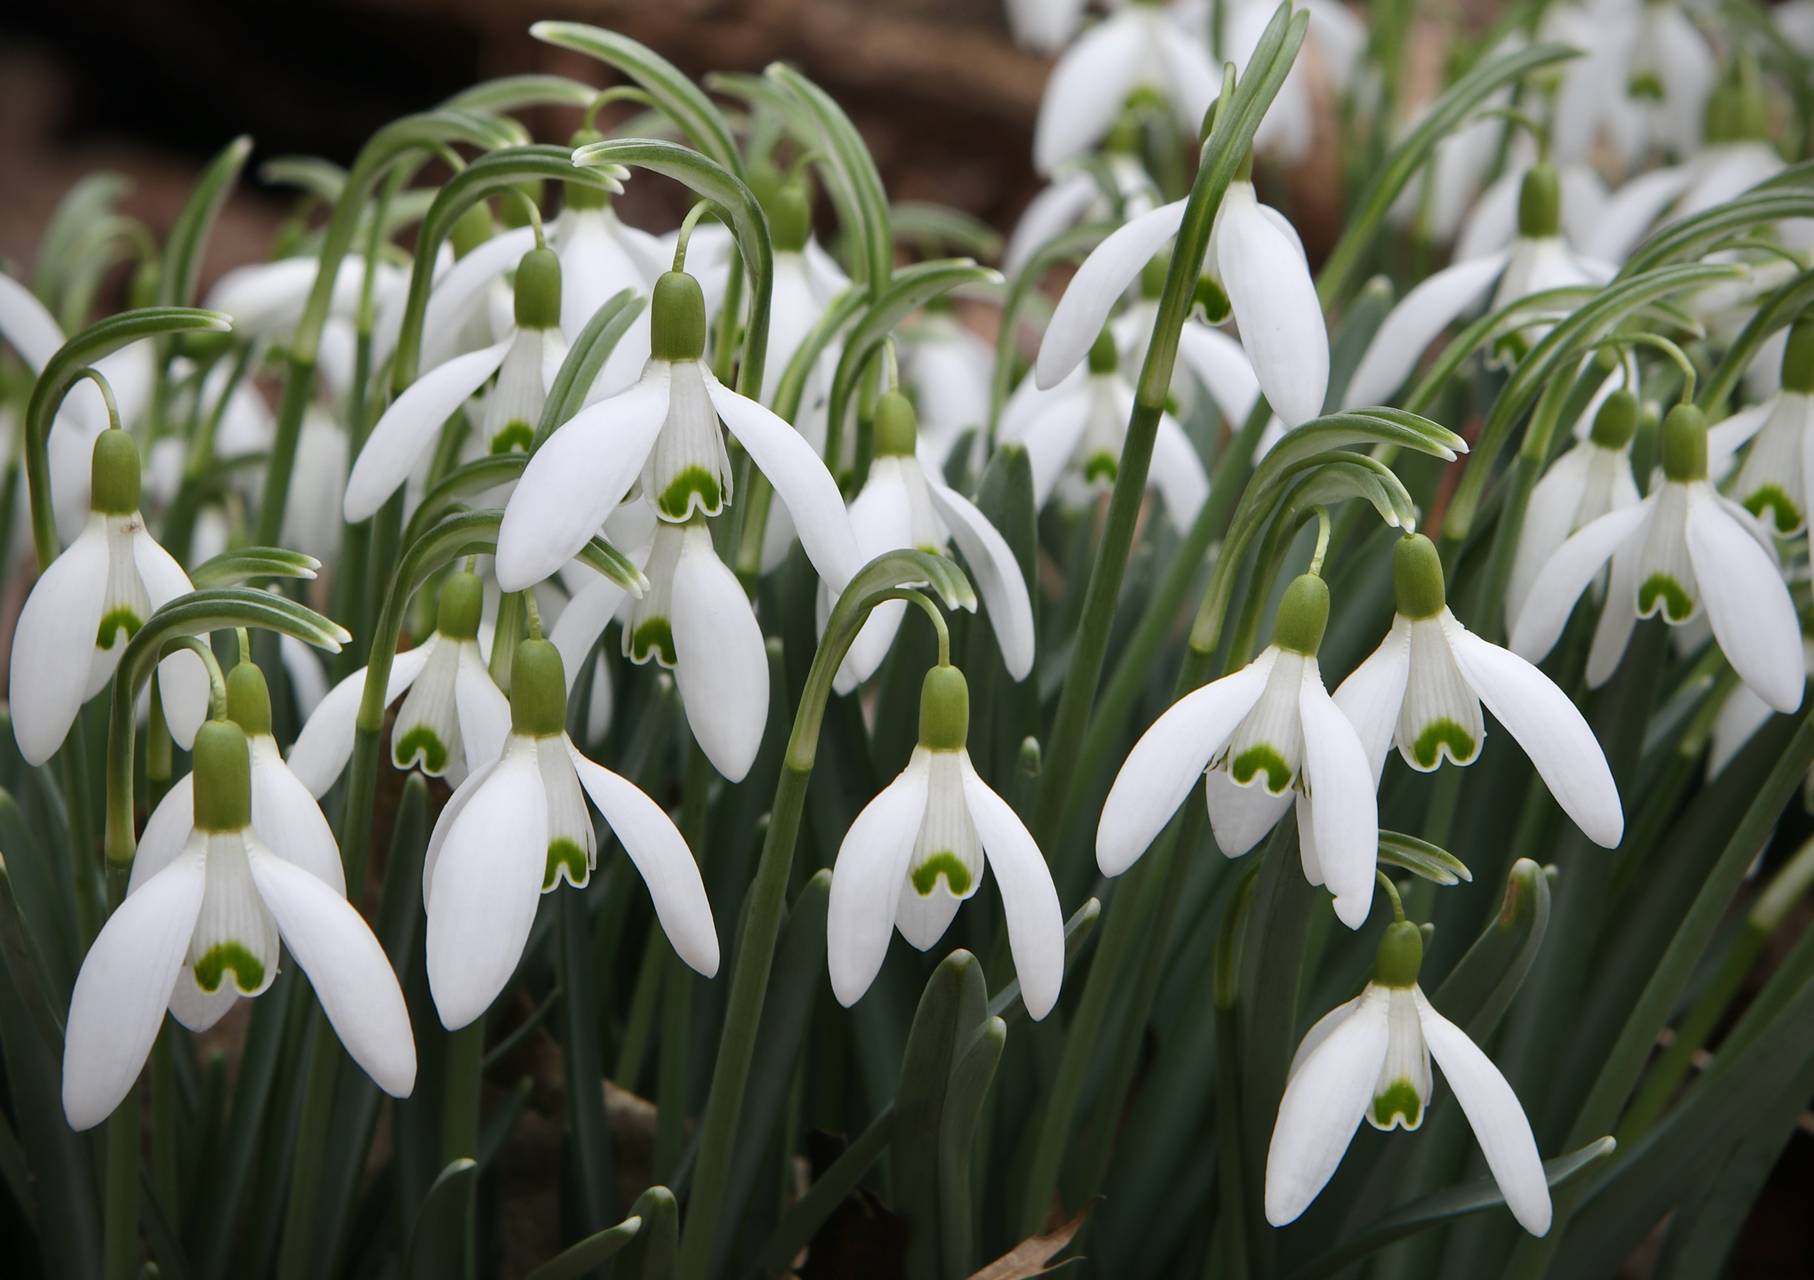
<point>663,433</point>
<point>1208,360</point>
<point>1591,479</point>
<point>1335,43</point>
<point>519,826</point>
<point>1492,224</point>
<point>87,604</point>
<point>1076,194</point>
<point>311,516</point>
<point>1424,686</point>
<point>1258,738</point>
<point>922,846</point>
<point>1740,716</point>
<point>1074,433</point>
<point>904,503</point>
<point>1682,547</point>
<point>453,721</point>
<point>1370,1058</point>
<point>1776,478</point>
<point>806,282</point>
<point>525,363</point>
<point>28,327</point>
<point>1641,86</point>
<point>210,897</point>
<point>1142,47</point>
<point>1538,260</point>
<point>1260,263</point>
<point>600,257</point>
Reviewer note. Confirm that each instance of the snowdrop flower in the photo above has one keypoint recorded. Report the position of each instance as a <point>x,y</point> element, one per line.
<point>1256,257</point>
<point>88,603</point>
<point>807,281</point>
<point>1335,41</point>
<point>1537,261</point>
<point>1740,717</point>
<point>1738,153</point>
<point>1436,205</point>
<point>1682,547</point>
<point>1492,224</point>
<point>519,826</point>
<point>1259,737</point>
<point>1777,475</point>
<point>1074,434</point>
<point>311,516</point>
<point>1423,688</point>
<point>29,328</point>
<point>1140,47</point>
<point>1371,1058</point>
<point>525,362</point>
<point>601,256</point>
<point>663,433</point>
<point>1641,86</point>
<point>921,847</point>
<point>1591,479</point>
<point>904,503</point>
<point>1044,25</point>
<point>203,916</point>
<point>453,721</point>
<point>951,373</point>
<point>1076,194</point>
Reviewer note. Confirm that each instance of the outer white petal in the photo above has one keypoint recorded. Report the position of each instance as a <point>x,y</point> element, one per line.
<point>1343,810</point>
<point>1547,725</point>
<point>1240,815</point>
<point>348,969</point>
<point>26,325</point>
<point>583,621</point>
<point>1414,323</point>
<point>1044,24</point>
<point>123,988</point>
<point>1099,283</point>
<point>1177,472</point>
<point>462,794</point>
<point>1739,718</point>
<point>1326,1096</point>
<point>1548,519</point>
<point>1087,88</point>
<point>800,479</point>
<point>1612,633</point>
<point>1748,606</point>
<point>322,749</point>
<point>997,573</point>
<point>720,662</point>
<point>483,709</point>
<point>867,879</point>
<point>460,290</point>
<point>182,680</point>
<point>1050,434</point>
<point>1560,582</point>
<point>1374,693</point>
<point>1276,307</point>
<point>1493,224</point>
<point>308,682</point>
<point>166,833</point>
<point>662,859</point>
<point>1495,1115</point>
<point>487,882</point>
<point>1050,213</point>
<point>54,644</point>
<point>1319,1032</point>
<point>577,478</point>
<point>1035,922</point>
<point>287,820</point>
<point>1192,80</point>
<point>1630,210</point>
<point>407,429</point>
<point>881,517</point>
<point>1222,367</point>
<point>1167,761</point>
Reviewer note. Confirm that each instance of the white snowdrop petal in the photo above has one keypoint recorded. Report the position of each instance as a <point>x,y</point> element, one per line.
<point>1087,88</point>
<point>720,661</point>
<point>54,644</point>
<point>1177,472</point>
<point>1413,324</point>
<point>1276,307</point>
<point>1747,603</point>
<point>1029,899</point>
<point>26,324</point>
<point>124,987</point>
<point>1495,1115</point>
<point>1217,361</point>
<point>460,290</point>
<point>1326,1095</point>
<point>321,750</point>
<point>1344,813</point>
<point>1374,692</point>
<point>662,859</point>
<point>408,428</point>
<point>349,971</point>
<point>1239,816</point>
<point>1167,761</point>
<point>582,622</point>
<point>997,574</point>
<point>287,819</point>
<point>867,879</point>
<point>1099,283</point>
<point>182,679</point>
<point>1560,582</point>
<point>484,710</point>
<point>166,833</point>
<point>1553,733</point>
<point>1549,517</point>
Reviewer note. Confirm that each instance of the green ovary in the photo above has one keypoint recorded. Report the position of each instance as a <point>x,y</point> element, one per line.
<point>1662,591</point>
<point>1782,509</point>
<point>1262,757</point>
<point>1427,750</point>
<point>1399,1099</point>
<point>678,499</point>
<point>424,744</point>
<point>565,855</point>
<point>248,969</point>
<point>947,864</point>
<point>513,437</point>
<point>654,638</point>
<point>112,624</point>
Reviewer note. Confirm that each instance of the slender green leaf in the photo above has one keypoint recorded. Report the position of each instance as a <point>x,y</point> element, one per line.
<point>440,1245</point>
<point>1480,987</point>
<point>1421,858</point>
<point>189,233</point>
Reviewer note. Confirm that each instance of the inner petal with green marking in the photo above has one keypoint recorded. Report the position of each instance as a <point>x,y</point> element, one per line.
<point>1772,502</point>
<point>944,865</point>
<point>1444,737</point>
<point>1397,1107</point>
<point>117,624</point>
<point>1662,593</point>
<point>230,957</point>
<point>1262,758</point>
<point>565,860</point>
<point>421,745</point>
<point>694,489</point>
<point>514,437</point>
<point>652,638</point>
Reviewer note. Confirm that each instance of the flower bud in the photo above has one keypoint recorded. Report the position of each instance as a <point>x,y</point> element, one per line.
<point>944,710</point>
<point>790,216</point>
<point>114,474</point>
<point>1303,614</point>
<point>223,778</point>
<point>538,290</point>
<point>677,318</point>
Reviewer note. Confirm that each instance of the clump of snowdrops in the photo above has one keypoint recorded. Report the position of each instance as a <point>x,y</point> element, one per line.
<point>498,678</point>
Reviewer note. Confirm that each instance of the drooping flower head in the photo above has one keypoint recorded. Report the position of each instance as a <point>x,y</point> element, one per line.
<point>1776,479</point>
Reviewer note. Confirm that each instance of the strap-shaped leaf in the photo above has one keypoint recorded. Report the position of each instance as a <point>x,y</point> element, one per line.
<point>507,94</point>
<point>440,1245</point>
<point>672,93</point>
<point>579,370</point>
<point>1692,236</point>
<point>189,233</point>
<point>589,1254</point>
<point>1421,858</point>
<point>937,226</point>
<point>1479,989</point>
<point>89,201</point>
<point>851,175</point>
<point>1779,310</point>
<point>230,568</point>
<point>311,175</point>
<point>650,1256</point>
